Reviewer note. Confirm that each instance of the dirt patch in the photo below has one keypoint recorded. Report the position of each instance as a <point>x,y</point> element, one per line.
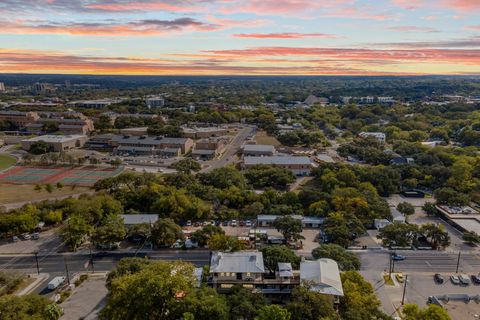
<point>263,138</point>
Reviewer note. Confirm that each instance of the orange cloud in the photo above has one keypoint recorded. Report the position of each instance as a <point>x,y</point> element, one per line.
<point>143,6</point>
<point>413,29</point>
<point>285,35</point>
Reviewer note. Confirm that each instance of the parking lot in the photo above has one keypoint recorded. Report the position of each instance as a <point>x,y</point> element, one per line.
<point>47,242</point>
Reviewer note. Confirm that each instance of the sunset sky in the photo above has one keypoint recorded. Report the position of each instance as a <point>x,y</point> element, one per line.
<point>255,37</point>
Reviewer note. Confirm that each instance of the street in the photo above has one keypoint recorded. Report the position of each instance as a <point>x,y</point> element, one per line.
<point>56,264</point>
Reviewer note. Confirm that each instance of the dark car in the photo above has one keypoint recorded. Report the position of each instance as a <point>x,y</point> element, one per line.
<point>438,278</point>
<point>397,257</point>
<point>476,278</point>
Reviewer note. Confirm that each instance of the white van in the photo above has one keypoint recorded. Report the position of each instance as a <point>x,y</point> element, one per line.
<point>52,285</point>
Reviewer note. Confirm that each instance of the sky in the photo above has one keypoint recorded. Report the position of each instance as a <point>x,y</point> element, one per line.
<point>240,37</point>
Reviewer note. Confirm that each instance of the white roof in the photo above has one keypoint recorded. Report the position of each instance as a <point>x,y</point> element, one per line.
<point>56,138</point>
<point>241,262</point>
<point>322,275</point>
<point>285,269</point>
<point>131,219</point>
<point>277,160</point>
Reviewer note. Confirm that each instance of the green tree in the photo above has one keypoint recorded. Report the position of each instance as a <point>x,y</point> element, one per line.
<point>244,304</point>
<point>346,260</point>
<point>451,197</point>
<point>223,178</point>
<point>398,234</point>
<point>471,237</point>
<point>49,188</point>
<point>272,255</point>
<point>29,307</point>
<point>39,147</point>
<point>436,235</point>
<point>187,165</point>
<point>431,312</point>
<point>429,208</point>
<point>75,230</point>
<point>310,305</point>
<point>203,303</point>
<point>289,227</point>
<point>273,312</point>
<point>201,236</point>
<point>342,228</point>
<point>222,242</point>
<point>127,266</point>
<point>262,176</point>
<point>150,293</point>
<point>111,231</point>
<point>406,208</point>
<point>38,187</point>
<point>165,232</point>
<point>53,217</point>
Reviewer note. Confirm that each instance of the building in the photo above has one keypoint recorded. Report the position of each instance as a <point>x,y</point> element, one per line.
<point>155,102</point>
<point>20,119</point>
<point>2,87</point>
<point>323,276</point>
<point>95,104</point>
<point>149,145</point>
<point>40,87</point>
<point>58,143</point>
<point>258,150</point>
<point>401,160</point>
<point>266,220</point>
<point>140,131</point>
<point>66,126</point>
<point>300,166</point>
<point>386,100</point>
<point>463,218</point>
<point>207,149</point>
<point>397,216</point>
<point>311,100</point>
<point>380,136</point>
<point>100,142</point>
<point>203,132</point>
<point>136,219</point>
<point>244,267</point>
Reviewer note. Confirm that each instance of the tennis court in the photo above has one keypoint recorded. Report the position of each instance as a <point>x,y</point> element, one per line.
<point>81,176</point>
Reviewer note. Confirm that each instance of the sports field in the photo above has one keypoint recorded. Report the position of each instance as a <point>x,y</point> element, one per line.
<point>81,176</point>
<point>6,161</point>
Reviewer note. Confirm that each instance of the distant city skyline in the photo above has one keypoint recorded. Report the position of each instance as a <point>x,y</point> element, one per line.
<point>240,37</point>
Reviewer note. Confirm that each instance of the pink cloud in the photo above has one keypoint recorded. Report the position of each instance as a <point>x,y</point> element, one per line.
<point>285,35</point>
<point>282,7</point>
<point>143,6</point>
<point>475,28</point>
<point>412,29</point>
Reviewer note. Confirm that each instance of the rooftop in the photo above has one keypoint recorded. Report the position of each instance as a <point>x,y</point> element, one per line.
<point>237,262</point>
<point>322,275</point>
<point>277,160</point>
<point>258,148</point>
<point>56,138</point>
<point>131,219</point>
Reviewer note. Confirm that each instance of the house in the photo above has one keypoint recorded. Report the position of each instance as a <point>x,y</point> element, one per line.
<point>397,216</point>
<point>57,143</point>
<point>401,160</point>
<point>380,136</point>
<point>381,223</point>
<point>135,219</point>
<point>258,150</point>
<point>300,166</point>
<point>322,276</point>
<point>228,269</point>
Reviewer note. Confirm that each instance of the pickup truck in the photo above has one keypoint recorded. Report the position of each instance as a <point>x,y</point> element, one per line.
<point>52,285</point>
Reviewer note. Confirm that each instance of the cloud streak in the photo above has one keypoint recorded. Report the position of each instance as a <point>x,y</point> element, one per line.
<point>284,35</point>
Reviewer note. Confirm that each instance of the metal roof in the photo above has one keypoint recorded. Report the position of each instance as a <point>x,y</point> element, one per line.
<point>285,269</point>
<point>238,262</point>
<point>322,275</point>
<point>277,160</point>
<point>131,219</point>
<point>56,138</point>
<point>258,148</point>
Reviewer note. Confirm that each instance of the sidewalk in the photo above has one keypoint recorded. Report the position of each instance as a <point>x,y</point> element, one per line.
<point>39,278</point>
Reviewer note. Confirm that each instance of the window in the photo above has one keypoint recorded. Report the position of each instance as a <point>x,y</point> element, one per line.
<point>248,274</point>
<point>222,274</point>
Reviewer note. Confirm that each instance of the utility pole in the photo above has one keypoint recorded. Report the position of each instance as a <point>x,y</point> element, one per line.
<point>458,261</point>
<point>390,267</point>
<point>36,259</point>
<point>404,289</point>
<point>66,268</point>
<point>91,259</point>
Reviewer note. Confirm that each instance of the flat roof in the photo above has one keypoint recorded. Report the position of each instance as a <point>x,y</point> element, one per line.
<point>147,140</point>
<point>130,219</point>
<point>277,160</point>
<point>468,224</point>
<point>56,138</point>
<point>259,148</point>
<point>243,261</point>
<point>203,129</point>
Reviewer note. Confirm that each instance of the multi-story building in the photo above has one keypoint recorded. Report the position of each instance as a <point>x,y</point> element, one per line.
<point>246,269</point>
<point>210,148</point>
<point>204,132</point>
<point>300,166</point>
<point>21,119</point>
<point>65,125</point>
<point>2,87</point>
<point>151,145</point>
<point>155,102</point>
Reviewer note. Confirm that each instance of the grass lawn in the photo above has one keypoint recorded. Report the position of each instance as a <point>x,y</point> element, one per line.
<point>388,280</point>
<point>6,161</point>
<point>12,193</point>
<point>263,138</point>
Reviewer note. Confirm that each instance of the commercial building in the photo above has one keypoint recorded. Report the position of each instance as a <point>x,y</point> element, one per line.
<point>138,131</point>
<point>95,104</point>
<point>300,166</point>
<point>258,150</point>
<point>380,136</point>
<point>58,143</point>
<point>246,268</point>
<point>206,149</point>
<point>100,142</point>
<point>463,218</point>
<point>65,125</point>
<point>266,220</point>
<point>155,102</point>
<point>397,216</point>
<point>150,145</point>
<point>203,132</point>
<point>20,119</point>
<point>136,219</point>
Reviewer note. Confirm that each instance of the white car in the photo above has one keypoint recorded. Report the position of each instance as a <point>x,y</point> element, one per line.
<point>233,223</point>
<point>248,223</point>
<point>455,279</point>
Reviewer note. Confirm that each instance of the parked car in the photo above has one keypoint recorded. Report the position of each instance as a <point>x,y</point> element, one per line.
<point>233,223</point>
<point>189,223</point>
<point>398,257</point>
<point>476,278</point>
<point>35,236</point>
<point>25,236</point>
<point>15,239</point>
<point>400,278</point>
<point>248,223</point>
<point>454,279</point>
<point>225,223</point>
<point>438,278</point>
<point>57,281</point>
<point>464,279</point>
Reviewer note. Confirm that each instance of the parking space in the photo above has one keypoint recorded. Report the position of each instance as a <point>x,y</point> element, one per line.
<point>394,199</point>
<point>47,242</point>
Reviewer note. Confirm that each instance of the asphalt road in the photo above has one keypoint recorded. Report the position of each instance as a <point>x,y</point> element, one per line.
<point>56,264</point>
